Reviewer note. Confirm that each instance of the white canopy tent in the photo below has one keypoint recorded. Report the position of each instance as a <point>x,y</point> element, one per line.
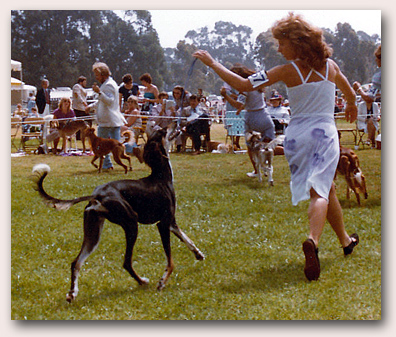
<point>19,90</point>
<point>16,66</point>
<point>18,85</point>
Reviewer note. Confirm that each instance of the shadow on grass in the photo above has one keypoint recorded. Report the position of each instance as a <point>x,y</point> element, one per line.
<point>251,183</point>
<point>128,291</point>
<point>272,277</point>
<point>352,203</point>
<point>116,172</point>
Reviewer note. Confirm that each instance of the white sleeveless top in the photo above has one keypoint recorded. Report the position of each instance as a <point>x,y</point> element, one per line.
<point>311,145</point>
<point>312,98</point>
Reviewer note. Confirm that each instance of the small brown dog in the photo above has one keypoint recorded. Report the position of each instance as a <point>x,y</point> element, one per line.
<point>101,147</point>
<point>68,129</point>
<point>129,138</point>
<point>349,167</point>
<point>217,147</point>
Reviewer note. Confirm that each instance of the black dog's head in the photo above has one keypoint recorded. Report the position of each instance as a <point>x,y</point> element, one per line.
<point>154,151</point>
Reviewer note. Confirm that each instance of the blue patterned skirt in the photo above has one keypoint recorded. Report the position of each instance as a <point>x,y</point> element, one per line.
<point>312,150</point>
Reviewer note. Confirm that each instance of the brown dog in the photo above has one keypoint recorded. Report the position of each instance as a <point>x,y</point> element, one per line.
<point>217,147</point>
<point>68,129</point>
<point>102,146</point>
<point>349,167</point>
<point>129,138</point>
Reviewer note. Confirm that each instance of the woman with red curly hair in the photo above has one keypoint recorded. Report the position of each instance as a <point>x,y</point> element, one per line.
<point>311,143</point>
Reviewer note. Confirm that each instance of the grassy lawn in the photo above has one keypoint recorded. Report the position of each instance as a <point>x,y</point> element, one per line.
<point>250,233</point>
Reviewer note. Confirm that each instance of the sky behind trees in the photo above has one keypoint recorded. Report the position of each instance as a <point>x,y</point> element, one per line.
<point>172,25</point>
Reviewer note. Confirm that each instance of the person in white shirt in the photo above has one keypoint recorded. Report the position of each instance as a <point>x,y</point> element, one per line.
<point>79,101</point>
<point>279,114</point>
<point>108,114</point>
<point>161,113</point>
<point>194,123</point>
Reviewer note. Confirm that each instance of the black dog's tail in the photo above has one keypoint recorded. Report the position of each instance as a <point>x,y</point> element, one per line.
<point>41,171</point>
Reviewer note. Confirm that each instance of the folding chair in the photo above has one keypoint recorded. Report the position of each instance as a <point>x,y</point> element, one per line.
<point>32,129</point>
<point>15,126</point>
<point>234,124</point>
<point>359,137</point>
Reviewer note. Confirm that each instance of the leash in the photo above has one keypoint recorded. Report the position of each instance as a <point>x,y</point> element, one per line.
<point>189,73</point>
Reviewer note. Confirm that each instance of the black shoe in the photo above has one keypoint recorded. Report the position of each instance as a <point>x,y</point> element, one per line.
<point>349,249</point>
<point>312,265</point>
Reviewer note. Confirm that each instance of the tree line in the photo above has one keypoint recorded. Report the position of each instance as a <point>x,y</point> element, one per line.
<point>62,45</point>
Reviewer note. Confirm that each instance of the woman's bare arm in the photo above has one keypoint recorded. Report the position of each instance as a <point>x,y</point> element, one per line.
<point>342,83</point>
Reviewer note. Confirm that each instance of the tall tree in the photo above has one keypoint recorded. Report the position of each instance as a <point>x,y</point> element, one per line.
<point>63,45</point>
<point>226,42</point>
<point>182,72</point>
<point>353,53</point>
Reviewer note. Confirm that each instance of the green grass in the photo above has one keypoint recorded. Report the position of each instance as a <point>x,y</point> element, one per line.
<point>250,233</point>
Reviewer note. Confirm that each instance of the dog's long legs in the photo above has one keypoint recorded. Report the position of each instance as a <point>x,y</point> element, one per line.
<point>82,132</point>
<point>163,228</point>
<point>118,153</point>
<point>93,224</point>
<point>64,144</point>
<point>354,191</point>
<point>125,156</point>
<point>259,171</point>
<point>131,232</point>
<point>93,160</point>
<point>350,185</point>
<point>270,171</point>
<point>187,241</point>
<point>270,168</point>
<point>100,163</point>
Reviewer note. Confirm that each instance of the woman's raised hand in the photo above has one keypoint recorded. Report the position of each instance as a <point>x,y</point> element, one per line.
<point>204,56</point>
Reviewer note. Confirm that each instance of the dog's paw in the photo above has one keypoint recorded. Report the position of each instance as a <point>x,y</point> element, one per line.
<point>199,256</point>
<point>161,285</point>
<point>144,281</point>
<point>70,296</point>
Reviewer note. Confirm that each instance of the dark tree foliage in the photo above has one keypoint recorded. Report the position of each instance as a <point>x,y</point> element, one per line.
<point>63,44</point>
<point>227,43</point>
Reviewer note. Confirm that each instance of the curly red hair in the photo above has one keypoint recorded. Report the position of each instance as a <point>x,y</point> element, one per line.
<point>307,40</point>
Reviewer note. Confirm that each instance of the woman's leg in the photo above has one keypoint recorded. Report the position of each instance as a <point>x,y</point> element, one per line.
<point>319,210</point>
<point>317,217</point>
<point>236,142</point>
<point>335,218</point>
<point>252,161</point>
